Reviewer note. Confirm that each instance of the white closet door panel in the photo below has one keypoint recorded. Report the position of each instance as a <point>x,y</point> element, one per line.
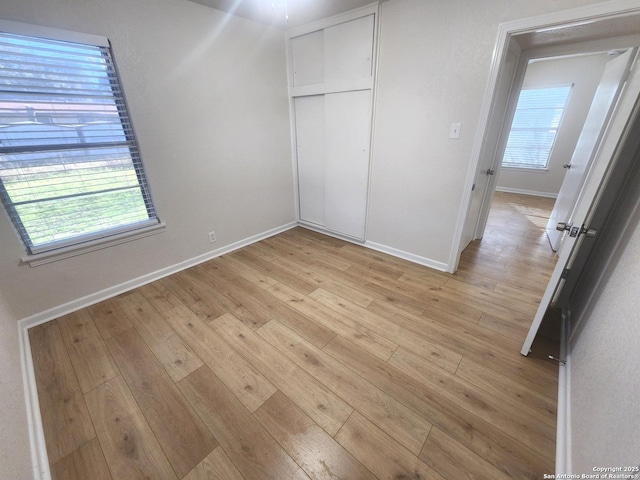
<point>348,50</point>
<point>347,138</point>
<point>307,52</point>
<point>310,140</point>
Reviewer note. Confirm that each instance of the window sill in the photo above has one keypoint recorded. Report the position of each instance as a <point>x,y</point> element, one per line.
<point>524,169</point>
<point>74,250</point>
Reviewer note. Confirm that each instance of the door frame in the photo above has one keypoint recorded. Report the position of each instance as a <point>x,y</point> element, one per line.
<point>507,31</point>
<point>495,140</point>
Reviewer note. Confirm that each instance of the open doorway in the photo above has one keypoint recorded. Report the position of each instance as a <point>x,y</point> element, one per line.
<point>555,98</point>
<point>572,32</point>
<point>569,33</point>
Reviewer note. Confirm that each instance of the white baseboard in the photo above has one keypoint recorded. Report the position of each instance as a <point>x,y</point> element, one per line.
<point>38,447</point>
<point>96,297</point>
<point>39,458</point>
<point>319,229</point>
<point>526,192</point>
<point>427,262</point>
<point>563,422</point>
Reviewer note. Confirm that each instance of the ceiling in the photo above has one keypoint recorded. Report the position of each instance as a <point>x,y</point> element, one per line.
<point>581,32</point>
<point>292,13</point>
<point>274,12</point>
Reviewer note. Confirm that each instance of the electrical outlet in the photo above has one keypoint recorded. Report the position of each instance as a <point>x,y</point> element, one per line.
<point>212,237</point>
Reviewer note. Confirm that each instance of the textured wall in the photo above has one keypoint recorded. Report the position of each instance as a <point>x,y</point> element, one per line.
<point>604,381</point>
<point>15,460</point>
<point>434,64</point>
<point>605,384</point>
<point>585,73</point>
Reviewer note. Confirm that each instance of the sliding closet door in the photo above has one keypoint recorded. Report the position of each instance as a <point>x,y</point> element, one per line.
<point>347,138</point>
<point>310,142</point>
<point>331,67</point>
<point>348,50</point>
<point>307,58</point>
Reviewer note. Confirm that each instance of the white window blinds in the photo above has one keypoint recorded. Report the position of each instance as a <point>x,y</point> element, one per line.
<point>70,168</point>
<point>533,132</point>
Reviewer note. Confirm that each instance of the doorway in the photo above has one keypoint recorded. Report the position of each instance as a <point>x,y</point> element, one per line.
<point>548,122</point>
<point>563,33</point>
<point>572,32</point>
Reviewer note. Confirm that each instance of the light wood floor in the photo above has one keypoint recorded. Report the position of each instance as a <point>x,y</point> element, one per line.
<point>303,356</point>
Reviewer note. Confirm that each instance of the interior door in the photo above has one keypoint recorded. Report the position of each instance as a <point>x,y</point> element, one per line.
<point>333,136</point>
<point>347,140</point>
<point>607,93</point>
<point>310,140</point>
<point>332,73</point>
<point>588,197</point>
<point>484,184</point>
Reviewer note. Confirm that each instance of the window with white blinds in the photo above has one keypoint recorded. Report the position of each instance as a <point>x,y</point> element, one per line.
<point>535,125</point>
<point>70,167</point>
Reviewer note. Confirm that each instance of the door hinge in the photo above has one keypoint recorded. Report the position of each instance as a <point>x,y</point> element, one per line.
<point>565,273</point>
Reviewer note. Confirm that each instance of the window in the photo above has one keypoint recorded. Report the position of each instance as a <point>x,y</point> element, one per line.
<point>534,128</point>
<point>70,168</point>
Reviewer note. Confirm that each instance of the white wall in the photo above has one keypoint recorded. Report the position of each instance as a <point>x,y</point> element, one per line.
<point>15,460</point>
<point>604,359</point>
<point>208,98</point>
<point>584,72</point>
<point>604,385</point>
<point>433,68</point>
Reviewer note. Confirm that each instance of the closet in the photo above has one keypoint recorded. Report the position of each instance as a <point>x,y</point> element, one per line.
<point>331,77</point>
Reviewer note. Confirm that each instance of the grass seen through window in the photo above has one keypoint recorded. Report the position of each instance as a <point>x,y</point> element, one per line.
<point>70,169</point>
<point>66,217</point>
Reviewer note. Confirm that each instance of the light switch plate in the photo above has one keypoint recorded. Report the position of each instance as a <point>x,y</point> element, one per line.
<point>454,132</point>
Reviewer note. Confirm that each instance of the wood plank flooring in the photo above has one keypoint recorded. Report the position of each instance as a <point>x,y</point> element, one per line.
<point>303,356</point>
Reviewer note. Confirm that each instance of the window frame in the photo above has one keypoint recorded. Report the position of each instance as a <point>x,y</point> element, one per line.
<point>531,167</point>
<point>84,243</point>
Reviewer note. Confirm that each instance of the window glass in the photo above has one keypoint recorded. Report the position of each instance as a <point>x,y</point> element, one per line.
<point>70,168</point>
<point>535,126</point>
